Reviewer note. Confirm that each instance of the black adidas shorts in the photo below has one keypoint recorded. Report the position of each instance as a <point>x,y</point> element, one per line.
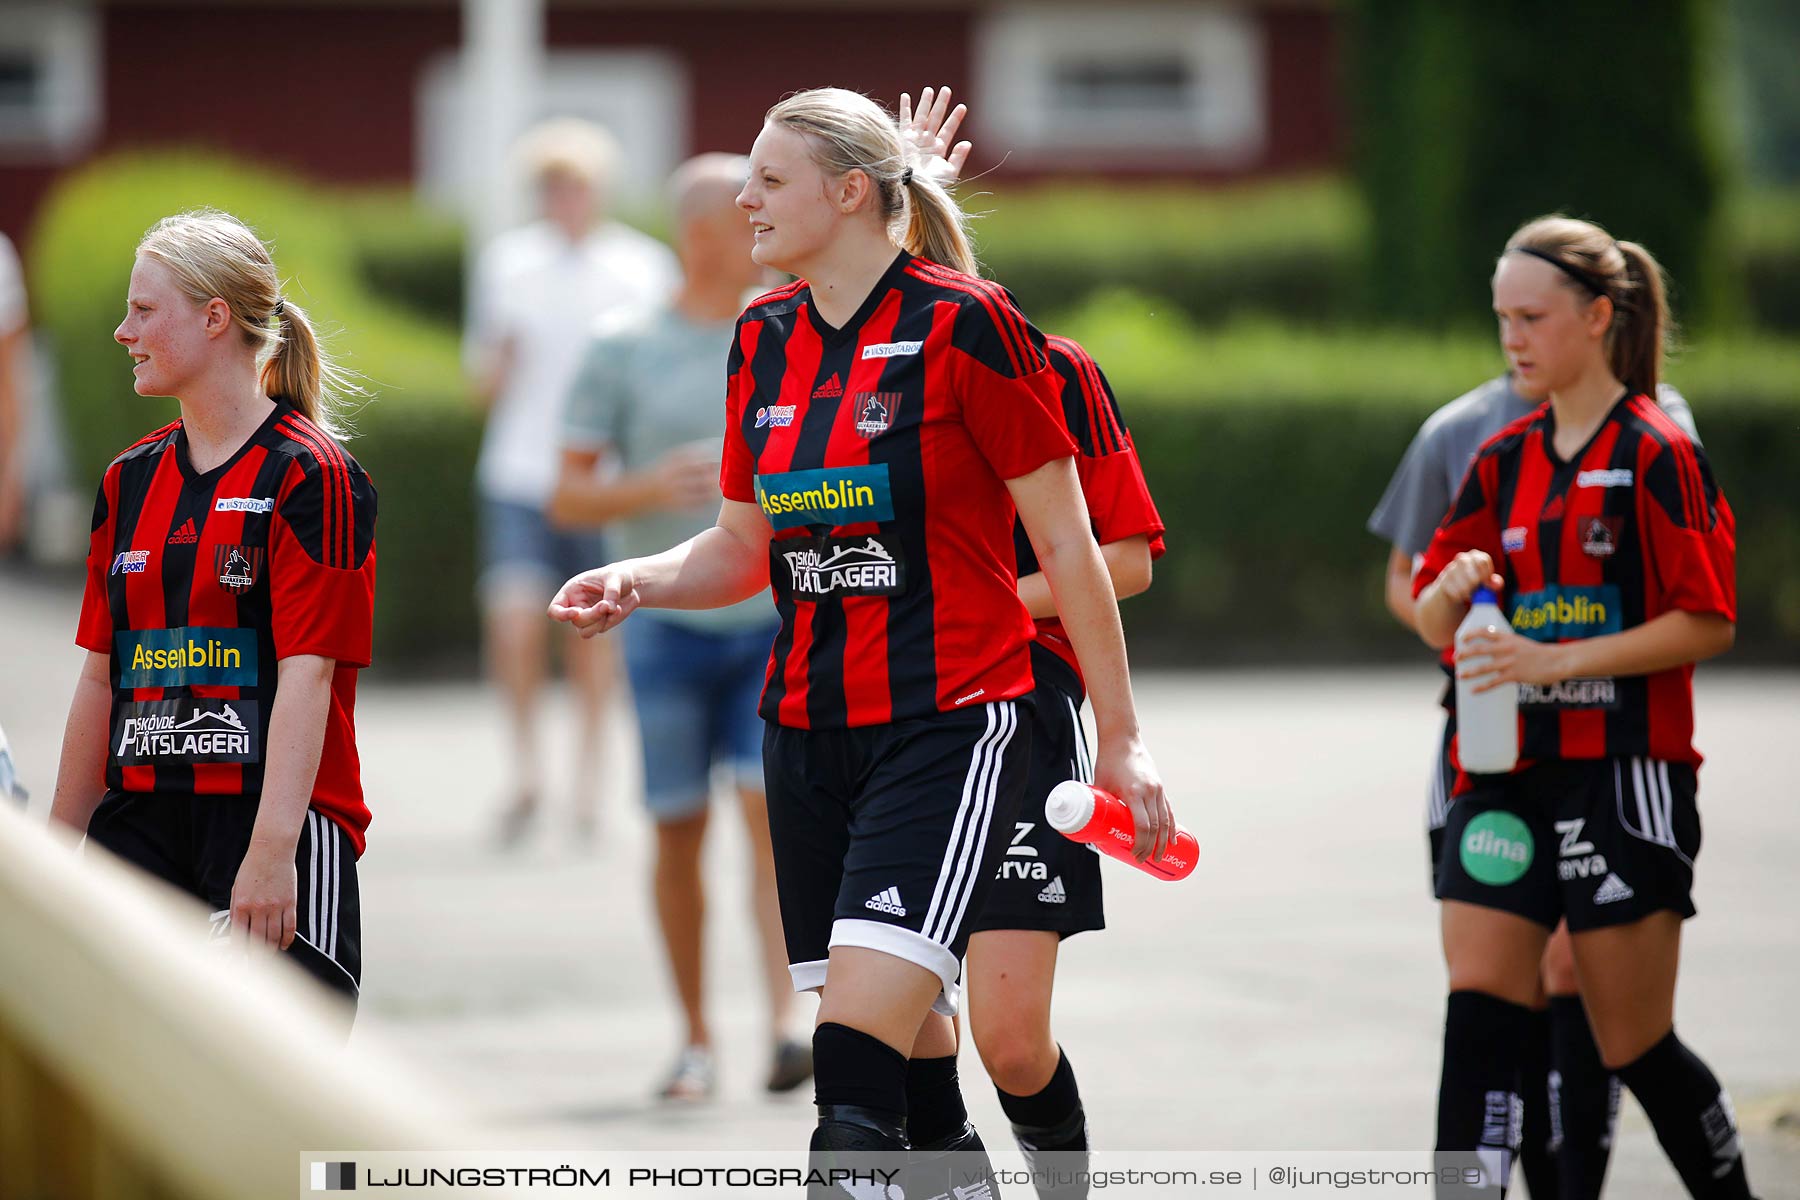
<point>1438,794</point>
<point>1600,841</point>
<point>887,836</point>
<point>197,843</point>
<point>1045,881</point>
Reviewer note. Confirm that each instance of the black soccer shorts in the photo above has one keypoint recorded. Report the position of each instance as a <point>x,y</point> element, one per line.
<point>887,836</point>
<point>1601,841</point>
<point>1044,881</point>
<point>197,844</point>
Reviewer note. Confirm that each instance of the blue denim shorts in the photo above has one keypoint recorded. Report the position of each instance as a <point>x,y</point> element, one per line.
<point>696,695</point>
<point>522,551</point>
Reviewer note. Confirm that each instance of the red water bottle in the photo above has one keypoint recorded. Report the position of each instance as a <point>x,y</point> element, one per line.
<point>1082,812</point>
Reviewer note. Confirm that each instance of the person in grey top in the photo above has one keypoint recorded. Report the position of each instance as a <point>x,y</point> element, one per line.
<point>648,394</point>
<point>1572,1102</point>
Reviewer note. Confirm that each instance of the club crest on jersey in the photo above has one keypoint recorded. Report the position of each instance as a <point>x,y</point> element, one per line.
<point>1600,536</point>
<point>778,415</point>
<point>238,567</point>
<point>131,562</point>
<point>1512,539</point>
<point>875,412</point>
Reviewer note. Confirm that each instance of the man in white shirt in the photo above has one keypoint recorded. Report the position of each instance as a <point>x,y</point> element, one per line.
<point>537,293</point>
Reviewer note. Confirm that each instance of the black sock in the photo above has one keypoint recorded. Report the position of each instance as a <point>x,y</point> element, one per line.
<point>1692,1117</point>
<point>1584,1100</point>
<point>935,1113</point>
<point>854,1071</point>
<point>1478,1093</point>
<point>1050,1119</point>
<point>1536,1162</point>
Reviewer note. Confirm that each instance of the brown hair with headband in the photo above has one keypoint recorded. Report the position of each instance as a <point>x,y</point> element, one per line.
<point>1593,264</point>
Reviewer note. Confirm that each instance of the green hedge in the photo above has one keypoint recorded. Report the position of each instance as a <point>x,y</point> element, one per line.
<point>1267,447</point>
<point>418,435</point>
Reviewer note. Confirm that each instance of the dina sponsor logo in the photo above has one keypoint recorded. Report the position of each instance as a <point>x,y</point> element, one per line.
<point>836,496</point>
<point>1566,613</point>
<point>875,412</point>
<point>1619,477</point>
<point>778,416</point>
<point>131,562</point>
<point>1512,539</point>
<point>187,731</point>
<point>1600,536</point>
<point>1571,693</point>
<point>238,567</point>
<point>183,657</point>
<point>244,504</point>
<point>891,350</point>
<point>834,567</point>
<point>1496,848</point>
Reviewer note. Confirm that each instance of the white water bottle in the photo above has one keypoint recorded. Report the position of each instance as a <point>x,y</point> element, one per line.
<point>1487,723</point>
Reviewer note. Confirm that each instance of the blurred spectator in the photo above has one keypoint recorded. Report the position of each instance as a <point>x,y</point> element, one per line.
<point>650,392</point>
<point>536,294</point>
<point>14,345</point>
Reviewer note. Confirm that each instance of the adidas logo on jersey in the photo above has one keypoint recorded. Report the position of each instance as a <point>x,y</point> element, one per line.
<point>1054,894</point>
<point>1613,889</point>
<point>887,901</point>
<point>831,389</point>
<point>186,535</point>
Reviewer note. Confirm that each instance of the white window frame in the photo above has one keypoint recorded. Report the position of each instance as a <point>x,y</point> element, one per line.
<point>1223,125</point>
<point>640,95</point>
<point>65,39</point>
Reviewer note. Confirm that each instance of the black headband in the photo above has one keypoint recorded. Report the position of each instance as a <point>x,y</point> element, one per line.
<point>1591,282</point>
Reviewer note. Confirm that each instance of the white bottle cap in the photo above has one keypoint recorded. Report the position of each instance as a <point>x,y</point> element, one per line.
<point>1069,806</point>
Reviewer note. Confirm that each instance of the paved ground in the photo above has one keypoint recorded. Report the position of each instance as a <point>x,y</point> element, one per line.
<point>1292,986</point>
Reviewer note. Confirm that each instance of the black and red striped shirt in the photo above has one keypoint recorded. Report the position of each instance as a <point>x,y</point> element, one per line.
<point>199,584</point>
<point>1629,528</point>
<point>1112,481</point>
<point>879,452</point>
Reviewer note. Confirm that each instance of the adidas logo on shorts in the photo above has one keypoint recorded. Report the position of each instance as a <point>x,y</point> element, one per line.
<point>1054,894</point>
<point>1613,888</point>
<point>887,901</point>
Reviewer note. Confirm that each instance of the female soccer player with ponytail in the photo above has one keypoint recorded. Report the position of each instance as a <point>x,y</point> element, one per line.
<point>886,413</point>
<point>1598,521</point>
<point>230,586</point>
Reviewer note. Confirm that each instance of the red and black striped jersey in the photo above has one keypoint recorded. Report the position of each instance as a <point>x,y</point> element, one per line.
<point>1112,481</point>
<point>1631,527</point>
<point>879,452</point>
<point>200,583</point>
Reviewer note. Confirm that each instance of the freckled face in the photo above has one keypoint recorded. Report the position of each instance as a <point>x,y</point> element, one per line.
<point>163,330</point>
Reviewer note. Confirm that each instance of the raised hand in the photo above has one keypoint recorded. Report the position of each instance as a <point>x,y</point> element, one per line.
<point>930,134</point>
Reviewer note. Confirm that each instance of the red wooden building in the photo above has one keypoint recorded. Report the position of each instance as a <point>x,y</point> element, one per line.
<point>358,91</point>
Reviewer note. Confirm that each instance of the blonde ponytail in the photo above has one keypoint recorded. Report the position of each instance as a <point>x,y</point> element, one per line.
<point>214,255</point>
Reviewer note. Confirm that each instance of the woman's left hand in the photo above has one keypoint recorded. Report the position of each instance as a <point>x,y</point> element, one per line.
<point>263,897</point>
<point>930,134</point>
<point>1124,768</point>
<point>1511,658</point>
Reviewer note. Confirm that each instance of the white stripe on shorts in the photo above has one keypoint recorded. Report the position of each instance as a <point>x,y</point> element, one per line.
<point>956,871</point>
<point>995,762</point>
